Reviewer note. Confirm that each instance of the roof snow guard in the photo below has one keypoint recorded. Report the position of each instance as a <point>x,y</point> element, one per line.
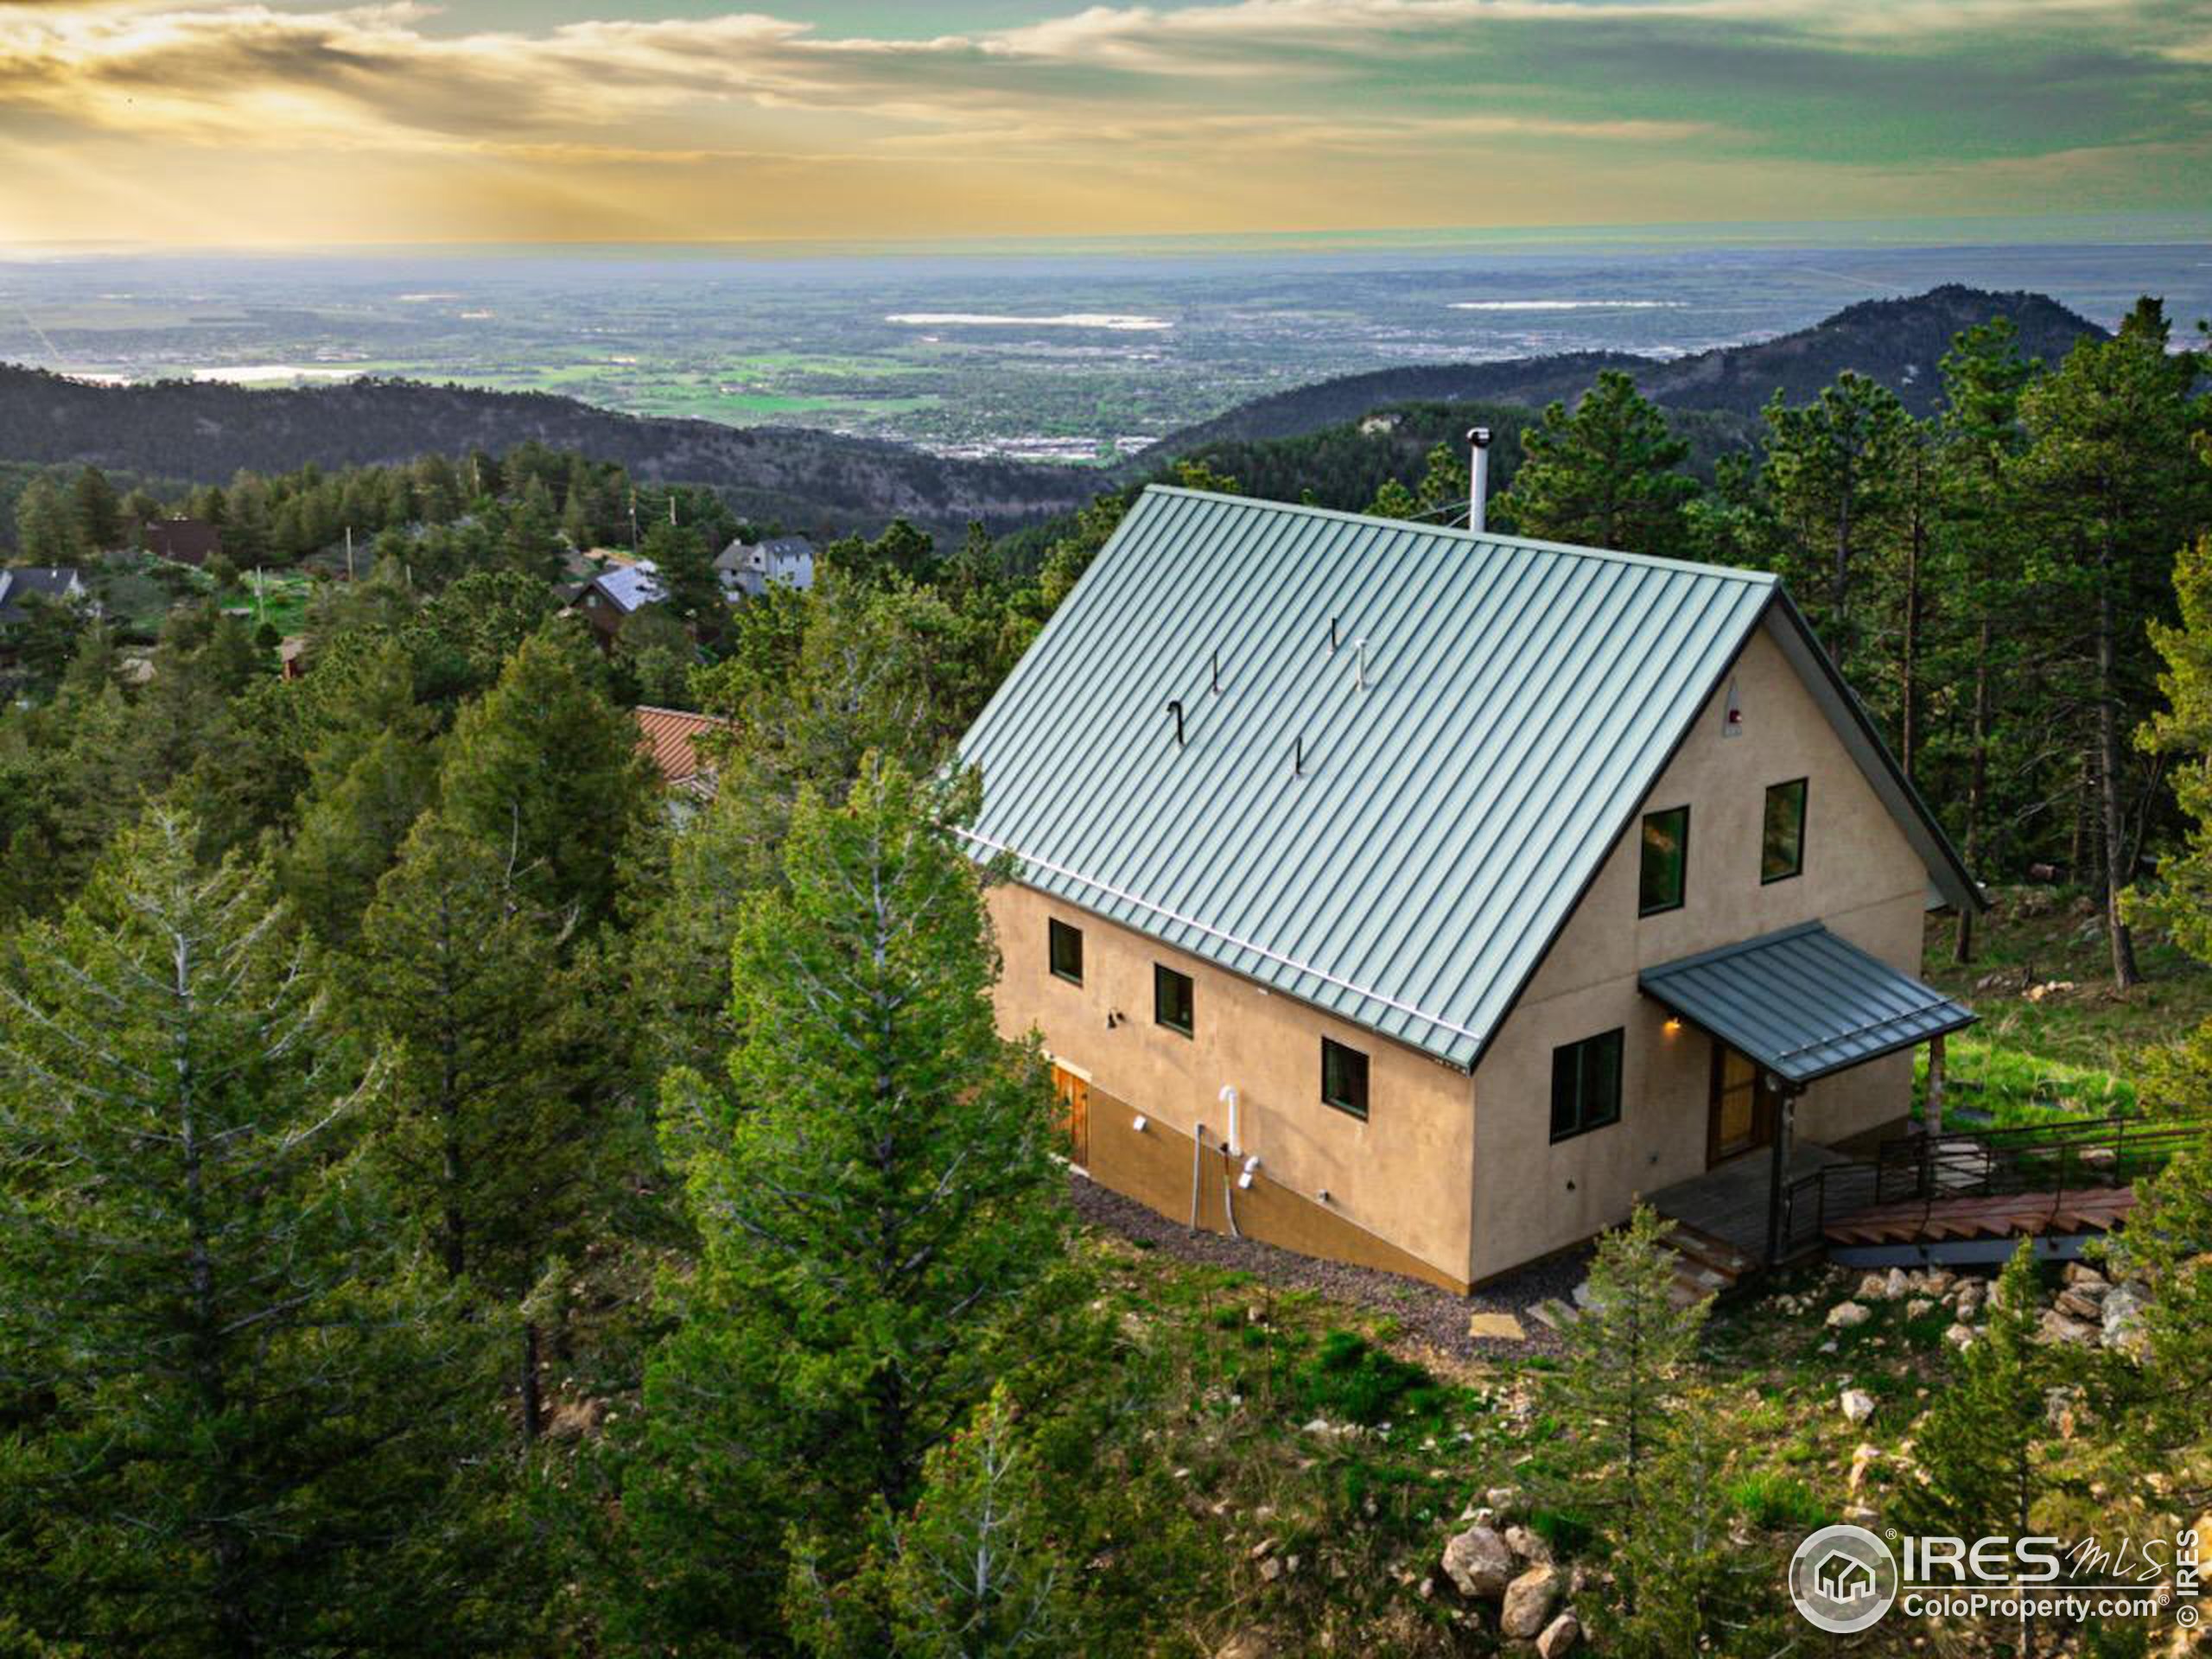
<point>1803,1004</point>
<point>1406,749</point>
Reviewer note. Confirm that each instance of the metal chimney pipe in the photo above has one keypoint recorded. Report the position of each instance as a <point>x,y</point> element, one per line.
<point>1478,477</point>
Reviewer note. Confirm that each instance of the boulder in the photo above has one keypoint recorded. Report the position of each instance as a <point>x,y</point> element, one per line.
<point>2083,1277</point>
<point>2075,1306</point>
<point>1916,1306</point>
<point>1529,1546</point>
<point>1961,1336</point>
<point>1247,1644</point>
<point>1857,1405</point>
<point>1844,1315</point>
<point>1896,1287</point>
<point>1872,1286</point>
<point>2057,1327</point>
<point>1559,1637</point>
<point>1529,1601</point>
<point>2120,1318</point>
<point>1478,1564</point>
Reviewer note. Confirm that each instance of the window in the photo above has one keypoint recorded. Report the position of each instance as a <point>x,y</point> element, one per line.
<point>1666,856</point>
<point>1344,1079</point>
<point>1782,837</point>
<point>1587,1084</point>
<point>1067,952</point>
<point>1171,999</point>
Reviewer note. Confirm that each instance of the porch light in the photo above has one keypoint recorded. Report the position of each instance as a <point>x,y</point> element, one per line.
<point>1673,1024</point>
<point>1142,1119</point>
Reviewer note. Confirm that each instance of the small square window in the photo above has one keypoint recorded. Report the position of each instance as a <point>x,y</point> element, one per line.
<point>1344,1079</point>
<point>1171,999</point>
<point>1666,858</point>
<point>1782,834</point>
<point>1066,945</point>
<point>1587,1084</point>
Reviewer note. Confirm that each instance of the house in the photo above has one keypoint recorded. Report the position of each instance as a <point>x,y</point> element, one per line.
<point>1420,898</point>
<point>24,585</point>
<point>748,568</point>
<point>184,541</point>
<point>671,737</point>
<point>618,592</point>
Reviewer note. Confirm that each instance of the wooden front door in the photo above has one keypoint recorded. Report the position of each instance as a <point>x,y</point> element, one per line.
<point>1743,1114</point>
<point>1075,1113</point>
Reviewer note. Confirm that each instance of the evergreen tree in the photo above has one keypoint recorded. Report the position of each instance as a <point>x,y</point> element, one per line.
<point>545,768</point>
<point>686,569</point>
<point>875,1197</point>
<point>236,1409</point>
<point>98,511</point>
<point>1605,475</point>
<point>45,532</point>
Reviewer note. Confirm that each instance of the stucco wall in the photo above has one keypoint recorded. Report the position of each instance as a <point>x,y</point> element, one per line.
<point>1405,1173</point>
<point>1861,878</point>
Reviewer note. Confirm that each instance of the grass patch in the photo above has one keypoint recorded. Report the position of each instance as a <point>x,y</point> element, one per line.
<point>1772,1502</point>
<point>1347,1378</point>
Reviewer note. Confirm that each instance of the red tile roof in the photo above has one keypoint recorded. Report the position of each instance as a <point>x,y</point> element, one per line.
<point>667,735</point>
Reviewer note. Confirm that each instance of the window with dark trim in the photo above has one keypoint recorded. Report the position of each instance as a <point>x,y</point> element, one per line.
<point>1660,880</point>
<point>1344,1079</point>
<point>1171,999</point>
<point>1587,1084</point>
<point>1782,832</point>
<point>1066,946</point>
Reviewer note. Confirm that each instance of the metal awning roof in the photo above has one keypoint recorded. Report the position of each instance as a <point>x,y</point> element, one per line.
<point>1803,1004</point>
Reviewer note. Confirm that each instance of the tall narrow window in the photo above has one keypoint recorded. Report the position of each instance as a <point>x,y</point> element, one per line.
<point>1172,999</point>
<point>1344,1079</point>
<point>1066,945</point>
<point>1587,1084</point>
<point>1782,838</point>
<point>1666,858</point>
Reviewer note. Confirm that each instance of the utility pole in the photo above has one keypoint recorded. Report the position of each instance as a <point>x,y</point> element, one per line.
<point>349,554</point>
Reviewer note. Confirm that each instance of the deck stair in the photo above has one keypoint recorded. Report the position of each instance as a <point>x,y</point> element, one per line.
<point>1704,1266</point>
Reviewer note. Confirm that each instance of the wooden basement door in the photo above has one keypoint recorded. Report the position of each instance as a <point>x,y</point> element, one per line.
<point>1075,1113</point>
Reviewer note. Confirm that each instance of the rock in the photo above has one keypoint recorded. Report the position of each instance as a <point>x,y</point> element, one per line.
<point>1529,1601</point>
<point>1478,1564</point>
<point>2083,1277</point>
<point>1861,1460</point>
<point>2074,1305</point>
<point>2122,1318</point>
<point>2057,1327</point>
<point>1265,1546</point>
<point>2099,1157</point>
<point>1970,1297</point>
<point>1247,1644</point>
<point>1896,1287</point>
<point>1940,1280</point>
<point>1559,1637</point>
<point>1503,1499</point>
<point>1270,1569</point>
<point>1528,1545</point>
<point>2062,1408</point>
<point>1872,1286</point>
<point>1916,1306</point>
<point>1846,1315</point>
<point>1961,1336</point>
<point>1857,1405</point>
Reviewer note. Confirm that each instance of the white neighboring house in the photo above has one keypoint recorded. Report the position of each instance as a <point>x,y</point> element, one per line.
<point>748,568</point>
<point>61,584</point>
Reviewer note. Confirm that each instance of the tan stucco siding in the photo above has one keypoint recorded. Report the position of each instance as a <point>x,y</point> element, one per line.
<point>1405,1173</point>
<point>1861,878</point>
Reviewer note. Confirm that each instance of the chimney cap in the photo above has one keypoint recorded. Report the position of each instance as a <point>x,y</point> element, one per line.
<point>1479,437</point>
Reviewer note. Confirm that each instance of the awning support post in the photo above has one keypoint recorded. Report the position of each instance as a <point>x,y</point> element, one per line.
<point>1934,1111</point>
<point>1785,1118</point>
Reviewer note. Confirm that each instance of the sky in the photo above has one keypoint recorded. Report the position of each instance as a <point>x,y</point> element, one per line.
<point>395,121</point>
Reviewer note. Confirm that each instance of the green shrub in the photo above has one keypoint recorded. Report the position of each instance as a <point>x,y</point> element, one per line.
<point>1773,1502</point>
<point>1350,1379</point>
<point>1567,1532</point>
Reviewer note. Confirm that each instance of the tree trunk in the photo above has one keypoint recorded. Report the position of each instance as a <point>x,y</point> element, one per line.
<point>533,1412</point>
<point>1977,789</point>
<point>1908,668</point>
<point>2111,817</point>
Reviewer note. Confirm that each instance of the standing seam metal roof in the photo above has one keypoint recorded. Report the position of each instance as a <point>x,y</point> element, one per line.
<point>1803,1002</point>
<point>1520,698</point>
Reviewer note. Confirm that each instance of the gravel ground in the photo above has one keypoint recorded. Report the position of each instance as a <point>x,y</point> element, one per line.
<point>1428,1314</point>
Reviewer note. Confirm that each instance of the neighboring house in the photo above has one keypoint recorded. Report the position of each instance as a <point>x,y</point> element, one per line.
<point>185,540</point>
<point>671,737</point>
<point>1456,890</point>
<point>748,568</point>
<point>23,585</point>
<point>618,592</point>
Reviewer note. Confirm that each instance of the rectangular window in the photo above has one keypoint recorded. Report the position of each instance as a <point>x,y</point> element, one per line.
<point>1344,1079</point>
<point>1781,836</point>
<point>1067,952</point>
<point>1587,1084</point>
<point>1171,999</point>
<point>1666,858</point>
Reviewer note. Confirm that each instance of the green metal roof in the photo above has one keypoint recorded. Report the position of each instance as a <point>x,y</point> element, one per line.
<point>1519,699</point>
<point>1802,1002</point>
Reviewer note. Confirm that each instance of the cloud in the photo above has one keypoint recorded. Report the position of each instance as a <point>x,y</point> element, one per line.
<point>1343,106</point>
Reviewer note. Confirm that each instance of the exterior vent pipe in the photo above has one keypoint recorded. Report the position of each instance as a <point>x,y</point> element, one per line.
<point>1478,477</point>
<point>1175,707</point>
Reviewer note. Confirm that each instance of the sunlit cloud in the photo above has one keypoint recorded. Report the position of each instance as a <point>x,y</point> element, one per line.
<point>374,122</point>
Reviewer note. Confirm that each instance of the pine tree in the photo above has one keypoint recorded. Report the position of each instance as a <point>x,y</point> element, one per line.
<point>45,532</point>
<point>875,1197</point>
<point>1606,475</point>
<point>237,1408</point>
<point>98,511</point>
<point>686,567</point>
<point>546,767</point>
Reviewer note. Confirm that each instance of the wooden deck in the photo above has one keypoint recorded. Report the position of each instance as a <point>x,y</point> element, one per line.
<point>1999,1215</point>
<point>1730,1202</point>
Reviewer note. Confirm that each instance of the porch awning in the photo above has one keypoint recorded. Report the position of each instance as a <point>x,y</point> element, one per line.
<point>1803,1004</point>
